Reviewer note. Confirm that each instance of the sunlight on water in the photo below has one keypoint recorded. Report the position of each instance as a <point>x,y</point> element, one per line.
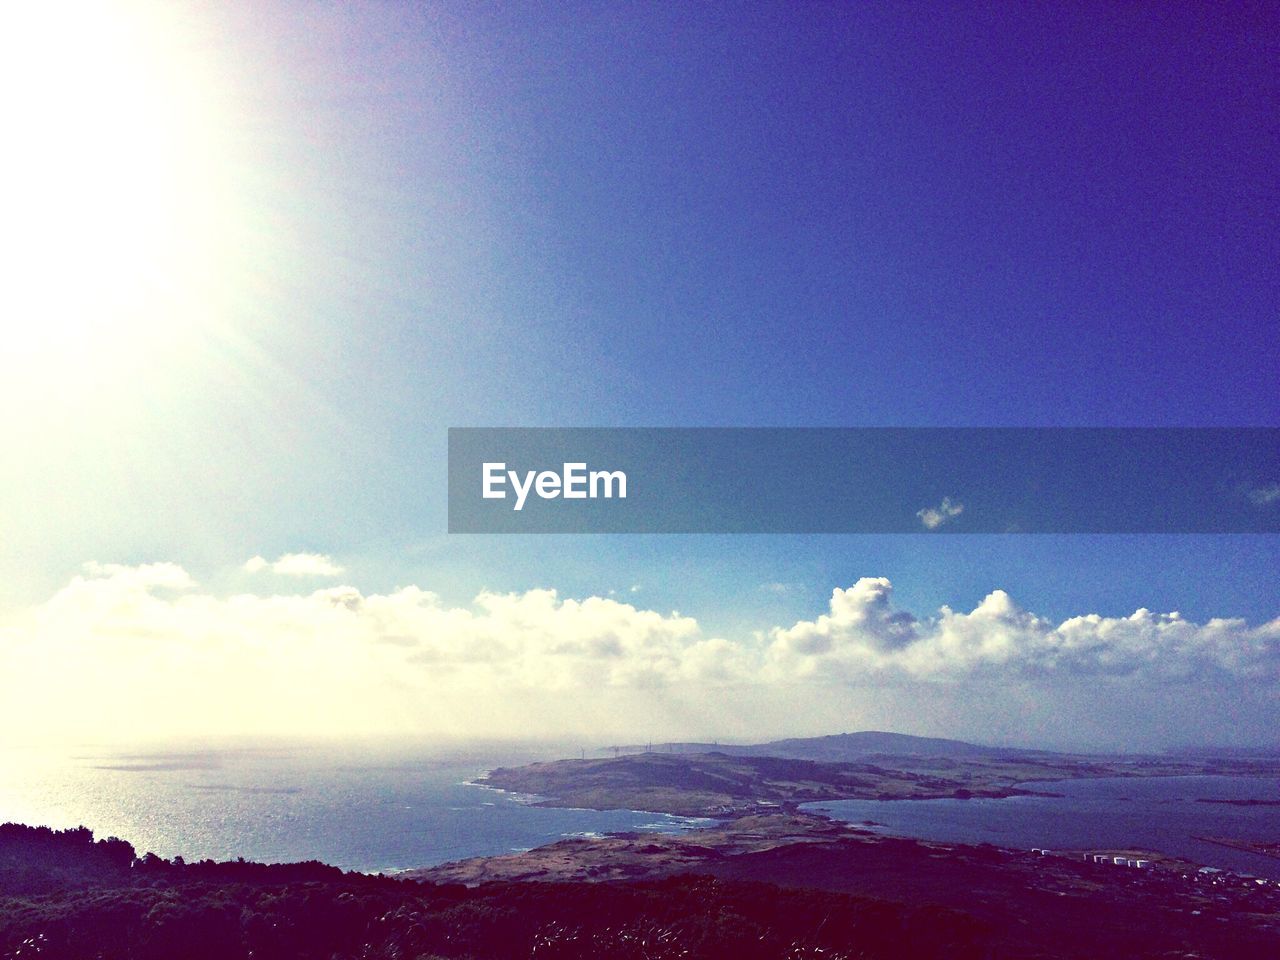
<point>367,810</point>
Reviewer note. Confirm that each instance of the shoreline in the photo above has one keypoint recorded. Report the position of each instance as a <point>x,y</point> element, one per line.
<point>551,803</point>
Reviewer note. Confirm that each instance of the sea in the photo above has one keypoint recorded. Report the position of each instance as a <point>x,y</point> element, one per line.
<point>375,807</point>
<point>367,807</point>
<point>1165,814</point>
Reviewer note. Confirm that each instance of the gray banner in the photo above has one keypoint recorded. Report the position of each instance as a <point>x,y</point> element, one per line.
<point>864,480</point>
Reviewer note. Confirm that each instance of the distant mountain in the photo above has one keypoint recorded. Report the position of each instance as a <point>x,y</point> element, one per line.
<point>1267,752</point>
<point>840,747</point>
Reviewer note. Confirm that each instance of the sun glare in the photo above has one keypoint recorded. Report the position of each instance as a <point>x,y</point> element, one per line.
<point>113,179</point>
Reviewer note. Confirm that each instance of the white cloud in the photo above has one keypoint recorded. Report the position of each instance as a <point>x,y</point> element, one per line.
<point>934,517</point>
<point>1265,496</point>
<point>147,649</point>
<point>296,565</point>
<point>864,637</point>
<point>147,576</point>
<point>127,651</point>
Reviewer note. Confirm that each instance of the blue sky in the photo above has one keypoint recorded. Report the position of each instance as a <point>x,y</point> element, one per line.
<point>663,215</point>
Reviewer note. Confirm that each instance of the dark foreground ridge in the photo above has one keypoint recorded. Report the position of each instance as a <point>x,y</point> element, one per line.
<point>1081,903</point>
<point>780,887</point>
<point>63,895</point>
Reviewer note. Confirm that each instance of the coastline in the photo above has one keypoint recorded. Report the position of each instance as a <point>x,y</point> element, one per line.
<point>537,800</point>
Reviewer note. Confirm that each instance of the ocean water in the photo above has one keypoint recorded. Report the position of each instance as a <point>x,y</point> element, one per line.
<point>369,808</point>
<point>1158,813</point>
<point>377,807</point>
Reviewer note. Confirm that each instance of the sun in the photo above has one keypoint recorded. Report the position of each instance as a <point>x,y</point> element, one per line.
<point>113,180</point>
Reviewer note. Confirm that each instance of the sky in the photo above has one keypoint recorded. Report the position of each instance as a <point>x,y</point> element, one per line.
<point>263,255</point>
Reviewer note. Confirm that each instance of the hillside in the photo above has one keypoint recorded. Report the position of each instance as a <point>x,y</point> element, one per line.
<point>838,747</point>
<point>844,746</point>
<point>766,888</point>
<point>720,785</point>
<point>65,896</point>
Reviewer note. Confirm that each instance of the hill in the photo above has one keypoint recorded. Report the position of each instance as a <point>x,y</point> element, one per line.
<point>839,747</point>
<point>68,897</point>
<point>721,785</point>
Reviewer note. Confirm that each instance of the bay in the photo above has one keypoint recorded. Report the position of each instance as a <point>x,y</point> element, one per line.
<point>1165,814</point>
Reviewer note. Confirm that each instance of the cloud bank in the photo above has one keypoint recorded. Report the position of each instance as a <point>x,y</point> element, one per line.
<point>132,650</point>
<point>863,636</point>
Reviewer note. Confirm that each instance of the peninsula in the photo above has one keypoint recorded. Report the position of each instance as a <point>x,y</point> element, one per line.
<point>708,780</point>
